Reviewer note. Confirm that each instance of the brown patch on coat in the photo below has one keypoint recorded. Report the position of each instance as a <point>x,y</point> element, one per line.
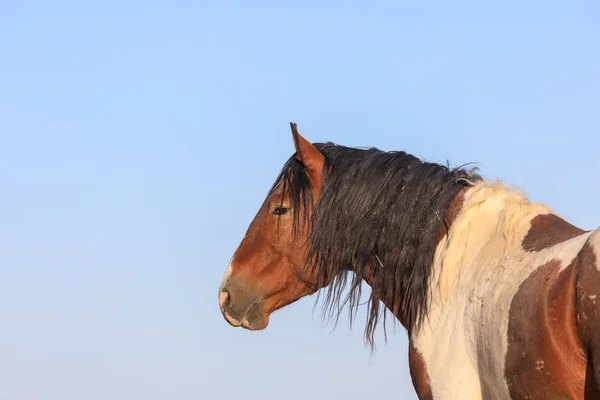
<point>418,373</point>
<point>588,313</point>
<point>451,214</point>
<point>545,359</point>
<point>591,389</point>
<point>548,230</point>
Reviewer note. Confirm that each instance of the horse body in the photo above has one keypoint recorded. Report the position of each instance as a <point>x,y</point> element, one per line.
<point>497,294</point>
<point>504,324</point>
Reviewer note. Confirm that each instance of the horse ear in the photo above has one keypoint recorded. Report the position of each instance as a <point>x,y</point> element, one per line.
<point>308,155</point>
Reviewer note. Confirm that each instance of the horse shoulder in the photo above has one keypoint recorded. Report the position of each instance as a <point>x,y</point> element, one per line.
<point>545,352</point>
<point>588,310</point>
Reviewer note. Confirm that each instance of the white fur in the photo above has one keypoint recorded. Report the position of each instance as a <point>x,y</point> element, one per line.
<point>595,244</point>
<point>477,271</point>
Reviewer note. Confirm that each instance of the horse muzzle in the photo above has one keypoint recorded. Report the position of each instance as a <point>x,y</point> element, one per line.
<point>242,308</point>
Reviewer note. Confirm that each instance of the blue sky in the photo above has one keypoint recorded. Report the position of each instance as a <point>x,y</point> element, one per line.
<point>138,138</point>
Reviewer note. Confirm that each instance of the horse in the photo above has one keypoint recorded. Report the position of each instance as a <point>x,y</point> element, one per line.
<point>498,294</point>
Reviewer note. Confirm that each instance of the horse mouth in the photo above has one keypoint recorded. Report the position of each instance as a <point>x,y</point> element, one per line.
<point>254,320</point>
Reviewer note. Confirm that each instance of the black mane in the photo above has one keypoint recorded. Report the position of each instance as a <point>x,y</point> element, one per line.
<point>379,213</point>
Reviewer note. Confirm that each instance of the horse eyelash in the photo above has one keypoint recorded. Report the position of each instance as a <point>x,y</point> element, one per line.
<point>280,210</point>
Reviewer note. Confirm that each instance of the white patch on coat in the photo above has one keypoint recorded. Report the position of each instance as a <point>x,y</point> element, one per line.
<point>478,268</point>
<point>594,243</point>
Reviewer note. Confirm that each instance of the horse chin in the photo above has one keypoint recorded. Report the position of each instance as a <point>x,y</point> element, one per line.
<point>257,318</point>
<point>256,324</point>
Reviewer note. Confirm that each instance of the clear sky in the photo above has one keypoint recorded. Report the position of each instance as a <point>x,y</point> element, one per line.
<point>138,139</point>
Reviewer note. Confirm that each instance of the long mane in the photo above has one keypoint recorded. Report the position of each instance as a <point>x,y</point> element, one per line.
<point>379,216</point>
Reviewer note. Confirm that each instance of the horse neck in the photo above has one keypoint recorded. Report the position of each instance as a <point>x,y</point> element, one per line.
<point>394,304</point>
<point>484,222</point>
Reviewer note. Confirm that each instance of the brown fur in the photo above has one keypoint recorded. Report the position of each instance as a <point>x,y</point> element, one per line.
<point>588,321</point>
<point>451,214</point>
<point>544,357</point>
<point>548,230</point>
<point>418,374</point>
<point>563,352</point>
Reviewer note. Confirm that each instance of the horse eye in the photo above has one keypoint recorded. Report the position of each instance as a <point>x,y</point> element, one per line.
<point>280,210</point>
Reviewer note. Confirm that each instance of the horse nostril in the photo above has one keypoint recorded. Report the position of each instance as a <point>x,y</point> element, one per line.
<point>223,298</point>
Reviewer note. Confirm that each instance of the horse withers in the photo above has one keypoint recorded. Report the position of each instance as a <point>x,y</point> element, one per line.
<point>498,294</point>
